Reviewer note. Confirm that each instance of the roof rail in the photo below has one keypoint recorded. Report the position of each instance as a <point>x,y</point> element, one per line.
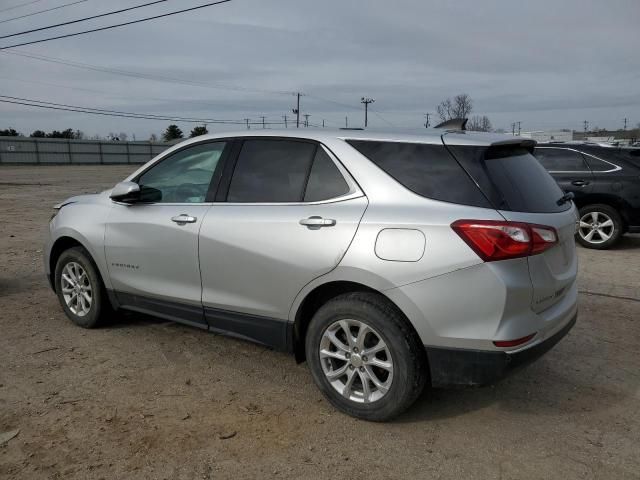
<point>453,124</point>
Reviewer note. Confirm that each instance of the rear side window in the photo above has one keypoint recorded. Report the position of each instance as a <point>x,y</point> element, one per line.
<point>428,170</point>
<point>271,171</point>
<point>561,160</point>
<point>512,178</point>
<point>325,180</point>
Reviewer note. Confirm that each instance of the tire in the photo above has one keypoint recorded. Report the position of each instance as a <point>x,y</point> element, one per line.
<point>87,314</point>
<point>404,358</point>
<point>600,226</point>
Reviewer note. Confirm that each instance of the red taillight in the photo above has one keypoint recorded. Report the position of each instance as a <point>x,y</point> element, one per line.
<point>496,240</point>
<point>513,343</point>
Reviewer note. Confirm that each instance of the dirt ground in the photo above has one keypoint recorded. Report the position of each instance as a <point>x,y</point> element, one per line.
<point>144,398</point>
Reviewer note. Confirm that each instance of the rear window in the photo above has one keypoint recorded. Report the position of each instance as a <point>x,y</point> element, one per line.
<point>512,178</point>
<point>428,170</point>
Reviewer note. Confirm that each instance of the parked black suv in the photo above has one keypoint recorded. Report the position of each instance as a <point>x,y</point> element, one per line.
<point>606,184</point>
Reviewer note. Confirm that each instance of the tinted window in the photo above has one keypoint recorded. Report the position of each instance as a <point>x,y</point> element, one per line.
<point>597,165</point>
<point>325,180</point>
<point>271,171</point>
<point>523,183</point>
<point>561,160</point>
<point>428,170</point>
<point>183,177</point>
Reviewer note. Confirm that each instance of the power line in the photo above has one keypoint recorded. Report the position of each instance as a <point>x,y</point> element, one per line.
<point>129,73</point>
<point>377,114</point>
<point>117,113</point>
<point>116,25</point>
<point>19,5</point>
<point>70,22</point>
<point>43,11</point>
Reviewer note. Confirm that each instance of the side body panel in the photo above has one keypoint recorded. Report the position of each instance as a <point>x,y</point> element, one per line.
<point>149,254</point>
<point>83,220</point>
<point>255,258</point>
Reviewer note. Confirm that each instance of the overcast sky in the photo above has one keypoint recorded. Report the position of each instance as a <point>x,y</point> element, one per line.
<point>547,63</point>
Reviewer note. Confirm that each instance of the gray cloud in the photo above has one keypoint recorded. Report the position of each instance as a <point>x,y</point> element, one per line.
<point>548,64</point>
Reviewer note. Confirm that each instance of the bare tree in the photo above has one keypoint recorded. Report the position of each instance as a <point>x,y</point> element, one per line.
<point>460,107</point>
<point>444,110</point>
<point>479,124</point>
<point>153,137</point>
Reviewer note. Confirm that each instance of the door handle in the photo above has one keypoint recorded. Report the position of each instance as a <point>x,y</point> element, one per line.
<point>580,183</point>
<point>183,218</point>
<point>316,222</point>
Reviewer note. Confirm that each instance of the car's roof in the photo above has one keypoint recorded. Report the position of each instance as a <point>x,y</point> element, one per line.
<point>429,136</point>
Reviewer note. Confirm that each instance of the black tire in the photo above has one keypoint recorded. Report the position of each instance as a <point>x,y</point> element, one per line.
<point>596,241</point>
<point>410,371</point>
<point>100,308</point>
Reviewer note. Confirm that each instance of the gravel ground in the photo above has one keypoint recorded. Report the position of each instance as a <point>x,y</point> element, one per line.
<point>144,398</point>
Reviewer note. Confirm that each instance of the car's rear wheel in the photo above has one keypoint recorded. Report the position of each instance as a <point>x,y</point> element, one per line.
<point>80,289</point>
<point>364,357</point>
<point>600,226</point>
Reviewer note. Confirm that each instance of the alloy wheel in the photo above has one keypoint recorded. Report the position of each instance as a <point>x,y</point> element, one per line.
<point>596,227</point>
<point>356,361</point>
<point>76,289</point>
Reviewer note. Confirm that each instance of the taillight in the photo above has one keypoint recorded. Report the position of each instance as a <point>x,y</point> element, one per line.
<point>497,240</point>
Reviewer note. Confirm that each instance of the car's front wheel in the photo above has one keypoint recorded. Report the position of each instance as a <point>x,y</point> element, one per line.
<point>80,289</point>
<point>600,226</point>
<point>364,357</point>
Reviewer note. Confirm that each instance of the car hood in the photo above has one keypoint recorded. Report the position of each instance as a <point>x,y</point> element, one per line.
<point>85,198</point>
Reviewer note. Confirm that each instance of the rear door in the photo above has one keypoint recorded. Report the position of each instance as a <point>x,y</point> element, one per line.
<point>286,214</point>
<point>569,169</point>
<point>523,191</point>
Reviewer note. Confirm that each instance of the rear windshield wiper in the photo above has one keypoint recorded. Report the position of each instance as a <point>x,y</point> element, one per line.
<point>565,198</point>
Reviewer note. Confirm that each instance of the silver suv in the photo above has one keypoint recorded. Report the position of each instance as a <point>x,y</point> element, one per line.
<point>386,261</point>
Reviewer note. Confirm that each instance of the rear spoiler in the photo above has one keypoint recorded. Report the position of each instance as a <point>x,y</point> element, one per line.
<point>527,143</point>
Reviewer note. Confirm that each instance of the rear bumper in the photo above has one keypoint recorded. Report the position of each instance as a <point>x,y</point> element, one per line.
<point>461,367</point>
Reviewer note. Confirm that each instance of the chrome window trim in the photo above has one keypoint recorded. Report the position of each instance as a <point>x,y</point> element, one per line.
<point>615,169</point>
<point>354,188</point>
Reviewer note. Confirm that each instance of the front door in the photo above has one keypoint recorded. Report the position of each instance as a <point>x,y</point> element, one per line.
<point>290,214</point>
<point>151,246</point>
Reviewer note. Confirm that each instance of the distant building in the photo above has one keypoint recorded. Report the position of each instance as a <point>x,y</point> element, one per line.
<point>549,135</point>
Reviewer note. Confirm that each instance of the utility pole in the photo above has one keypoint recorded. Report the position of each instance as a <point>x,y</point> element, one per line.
<point>366,101</point>
<point>513,129</point>
<point>426,124</point>
<point>285,121</point>
<point>297,111</point>
<point>323,123</point>
<point>247,120</point>
<point>306,119</point>
<point>625,123</point>
<point>586,126</point>
<point>262,117</point>
<point>346,121</point>
<point>518,128</point>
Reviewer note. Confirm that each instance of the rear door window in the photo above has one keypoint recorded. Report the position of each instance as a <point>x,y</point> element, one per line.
<point>428,170</point>
<point>561,160</point>
<point>271,171</point>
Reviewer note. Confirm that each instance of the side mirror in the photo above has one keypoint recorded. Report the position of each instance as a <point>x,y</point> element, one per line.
<point>127,192</point>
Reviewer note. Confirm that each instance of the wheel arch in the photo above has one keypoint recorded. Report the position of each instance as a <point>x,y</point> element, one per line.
<point>317,297</point>
<point>613,201</point>
<point>64,243</point>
